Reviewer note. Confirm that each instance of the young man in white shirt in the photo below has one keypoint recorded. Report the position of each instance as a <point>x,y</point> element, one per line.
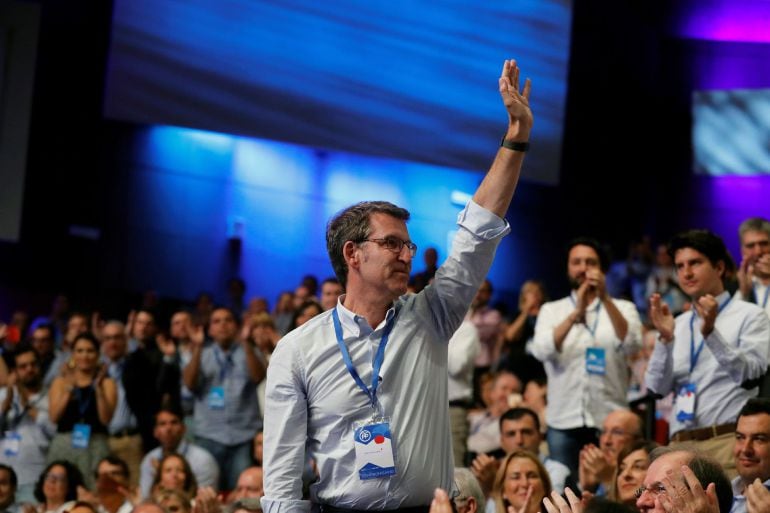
<point>709,355</point>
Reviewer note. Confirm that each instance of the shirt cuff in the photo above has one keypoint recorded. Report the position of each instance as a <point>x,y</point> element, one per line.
<point>481,222</point>
<point>284,506</point>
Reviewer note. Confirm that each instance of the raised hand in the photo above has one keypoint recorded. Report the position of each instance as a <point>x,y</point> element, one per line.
<point>757,497</point>
<point>690,498</point>
<point>662,318</point>
<point>96,325</point>
<point>743,274</point>
<point>557,504</point>
<point>165,344</point>
<point>485,467</point>
<point>593,467</point>
<point>440,503</point>
<point>596,280</point>
<point>8,401</point>
<point>130,323</point>
<point>516,102</point>
<point>197,336</point>
<point>707,308</point>
<point>525,506</point>
<point>206,501</point>
<point>762,266</point>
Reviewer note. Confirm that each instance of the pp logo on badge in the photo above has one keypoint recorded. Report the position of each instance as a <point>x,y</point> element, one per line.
<point>365,435</point>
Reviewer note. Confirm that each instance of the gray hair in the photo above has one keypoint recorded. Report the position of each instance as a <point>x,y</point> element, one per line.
<point>468,486</point>
<point>352,224</point>
<point>754,224</point>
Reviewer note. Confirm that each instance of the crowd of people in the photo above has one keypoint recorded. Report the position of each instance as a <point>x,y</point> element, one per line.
<point>112,415</point>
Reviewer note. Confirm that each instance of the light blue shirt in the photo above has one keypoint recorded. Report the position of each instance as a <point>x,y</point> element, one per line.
<point>123,418</point>
<point>239,420</point>
<point>557,471</point>
<point>739,500</point>
<point>35,436</point>
<point>312,399</point>
<point>736,351</point>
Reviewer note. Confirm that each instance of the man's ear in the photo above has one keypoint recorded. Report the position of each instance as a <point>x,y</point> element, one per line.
<point>351,254</point>
<point>473,506</point>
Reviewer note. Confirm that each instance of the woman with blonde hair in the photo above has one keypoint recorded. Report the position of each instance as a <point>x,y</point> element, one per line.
<point>522,482</point>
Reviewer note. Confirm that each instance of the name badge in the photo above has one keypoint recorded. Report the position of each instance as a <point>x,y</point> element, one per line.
<point>596,361</point>
<point>217,398</point>
<point>81,434</point>
<point>374,450</point>
<point>11,444</point>
<point>685,403</point>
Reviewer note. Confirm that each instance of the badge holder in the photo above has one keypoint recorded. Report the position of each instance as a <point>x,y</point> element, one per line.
<point>216,398</point>
<point>81,435</point>
<point>374,448</point>
<point>596,361</point>
<point>685,403</point>
<point>11,444</point>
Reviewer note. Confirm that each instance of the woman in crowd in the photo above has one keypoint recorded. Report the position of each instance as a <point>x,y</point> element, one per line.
<point>57,487</point>
<point>630,471</point>
<point>304,313</point>
<point>521,482</point>
<point>81,403</point>
<point>174,473</point>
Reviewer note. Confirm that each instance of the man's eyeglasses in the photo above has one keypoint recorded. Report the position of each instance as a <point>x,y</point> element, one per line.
<point>614,433</point>
<point>394,244</point>
<point>655,490</point>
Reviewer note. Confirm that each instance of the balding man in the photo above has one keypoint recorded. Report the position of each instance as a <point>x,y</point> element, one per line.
<point>250,485</point>
<point>683,480</point>
<point>142,384</point>
<point>597,464</point>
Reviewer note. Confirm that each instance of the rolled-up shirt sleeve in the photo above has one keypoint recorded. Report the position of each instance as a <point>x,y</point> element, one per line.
<point>543,346</point>
<point>659,376</point>
<point>747,359</point>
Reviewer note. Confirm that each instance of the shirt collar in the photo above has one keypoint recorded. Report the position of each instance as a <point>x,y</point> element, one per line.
<point>738,486</point>
<point>353,323</point>
<point>591,306</point>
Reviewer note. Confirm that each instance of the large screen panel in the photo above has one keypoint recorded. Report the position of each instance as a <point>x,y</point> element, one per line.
<point>409,79</point>
<point>731,130</point>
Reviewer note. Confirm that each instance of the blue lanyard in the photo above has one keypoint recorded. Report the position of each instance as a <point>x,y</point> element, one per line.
<point>378,358</point>
<point>693,353</point>
<point>591,329</point>
<point>223,365</point>
<point>767,291</point>
<point>83,405</point>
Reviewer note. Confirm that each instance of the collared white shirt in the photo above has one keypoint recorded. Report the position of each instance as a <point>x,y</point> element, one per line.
<point>463,348</point>
<point>30,459</point>
<point>312,399</point>
<point>736,351</point>
<point>575,397</point>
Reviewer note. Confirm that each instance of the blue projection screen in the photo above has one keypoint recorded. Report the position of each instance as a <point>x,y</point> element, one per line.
<point>731,130</point>
<point>408,79</point>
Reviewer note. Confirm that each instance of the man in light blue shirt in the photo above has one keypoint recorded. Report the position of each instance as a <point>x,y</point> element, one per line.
<point>752,451</point>
<point>24,424</point>
<point>224,375</point>
<point>375,420</point>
